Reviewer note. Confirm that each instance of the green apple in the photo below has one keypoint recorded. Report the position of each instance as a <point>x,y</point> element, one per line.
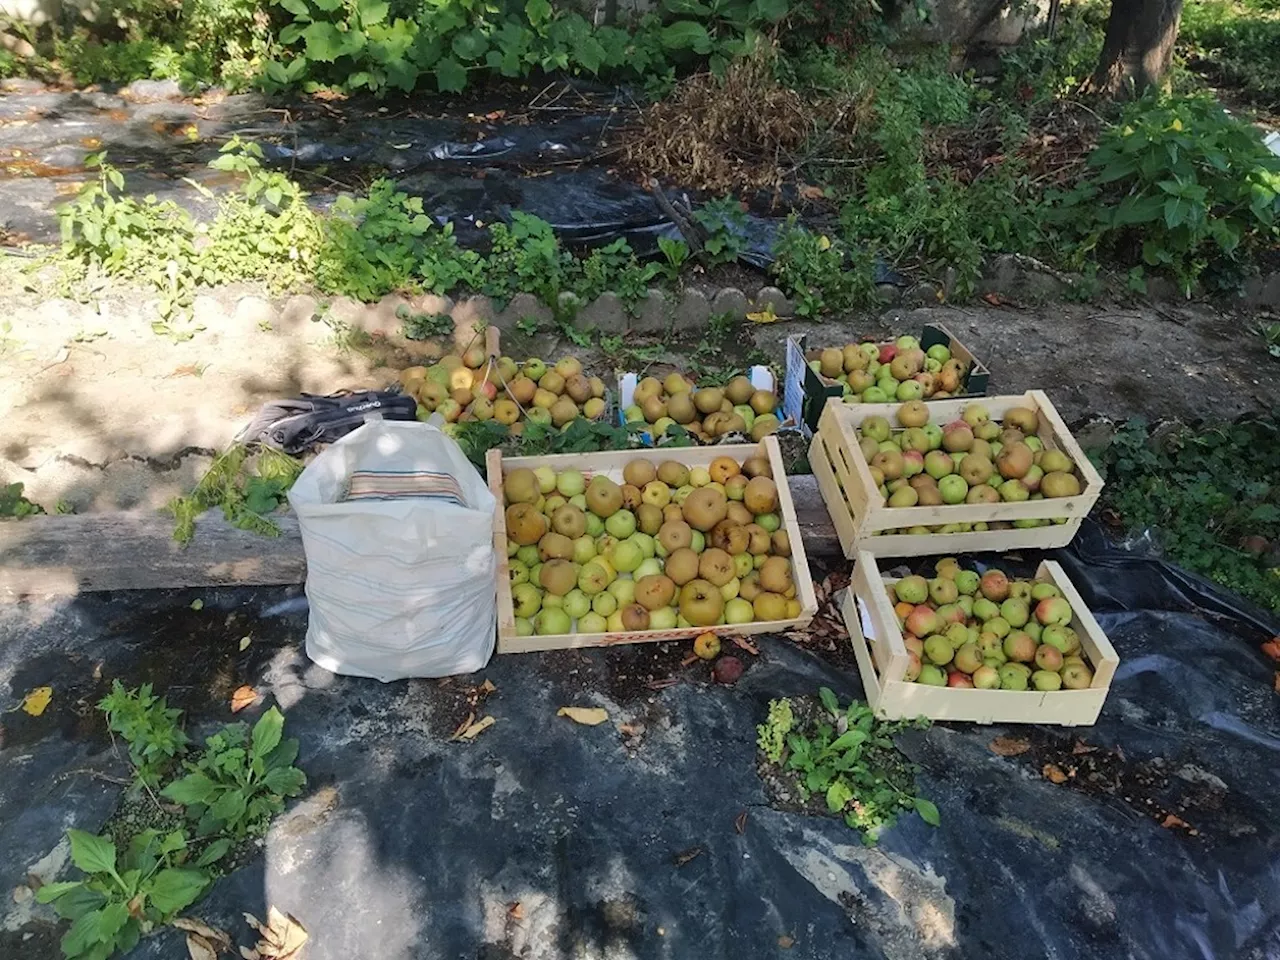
<point>624,591</point>
<point>633,414</point>
<point>952,488</point>
<point>743,563</point>
<point>584,549</point>
<point>528,555</point>
<point>738,610</point>
<point>770,521</point>
<point>524,627</point>
<point>526,599</point>
<point>648,546</point>
<point>934,432</point>
<point>519,572</point>
<point>621,525</point>
<point>939,352</point>
<point>664,618</point>
<point>626,556</point>
<point>604,603</point>
<point>546,479</point>
<point>698,542</point>
<point>649,567</point>
<point>595,526</point>
<point>577,604</point>
<point>592,623</point>
<point>570,482</point>
<point>552,621</point>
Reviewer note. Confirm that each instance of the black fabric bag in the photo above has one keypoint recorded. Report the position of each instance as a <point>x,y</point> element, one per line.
<point>295,426</point>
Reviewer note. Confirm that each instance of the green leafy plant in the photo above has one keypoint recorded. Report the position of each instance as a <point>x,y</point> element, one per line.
<point>375,244</point>
<point>847,757</point>
<point>1180,185</point>
<point>121,898</point>
<point>771,736</point>
<point>676,253</point>
<point>724,222</point>
<point>246,492</point>
<point>239,781</point>
<point>1207,496</point>
<point>150,728</point>
<point>1270,333</point>
<point>424,326</point>
<point>811,270</point>
<point>14,504</point>
<point>526,256</point>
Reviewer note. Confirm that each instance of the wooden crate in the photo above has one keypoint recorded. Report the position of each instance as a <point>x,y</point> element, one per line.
<point>806,392</point>
<point>611,464</point>
<point>859,512</point>
<point>882,661</point>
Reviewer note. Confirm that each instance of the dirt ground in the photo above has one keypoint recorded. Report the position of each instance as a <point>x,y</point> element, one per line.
<point>101,412</point>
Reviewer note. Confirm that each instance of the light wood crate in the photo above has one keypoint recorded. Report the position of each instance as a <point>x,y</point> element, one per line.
<point>882,661</point>
<point>610,464</point>
<point>859,512</point>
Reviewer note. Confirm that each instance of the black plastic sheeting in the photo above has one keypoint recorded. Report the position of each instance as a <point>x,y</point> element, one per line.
<point>468,169</point>
<point>621,843</point>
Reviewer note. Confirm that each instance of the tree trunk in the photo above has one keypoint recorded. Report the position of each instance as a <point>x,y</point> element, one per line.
<point>1138,47</point>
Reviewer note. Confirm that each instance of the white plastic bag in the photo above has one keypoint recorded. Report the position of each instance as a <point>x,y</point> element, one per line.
<point>399,587</point>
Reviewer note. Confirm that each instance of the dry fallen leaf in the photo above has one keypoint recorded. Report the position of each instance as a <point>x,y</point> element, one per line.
<point>1008,746</point>
<point>740,822</point>
<point>244,642</point>
<point>1053,773</point>
<point>684,856</point>
<point>515,911</point>
<point>587,716</point>
<point>1272,648</point>
<point>487,687</point>
<point>243,697</point>
<point>216,938</point>
<point>785,942</point>
<point>1276,683</point>
<point>463,726</point>
<point>746,645</point>
<point>1082,747</point>
<point>810,192</point>
<point>477,728</point>
<point>282,936</point>
<point>200,949</point>
<point>1171,820</point>
<point>767,315</point>
<point>37,700</point>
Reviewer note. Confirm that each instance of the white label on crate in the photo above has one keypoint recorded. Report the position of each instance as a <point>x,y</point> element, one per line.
<point>864,616</point>
<point>793,387</point>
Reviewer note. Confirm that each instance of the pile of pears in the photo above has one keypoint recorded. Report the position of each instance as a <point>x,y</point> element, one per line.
<point>887,372</point>
<point>669,547</point>
<point>471,386</point>
<point>707,412</point>
<point>970,460</point>
<point>988,632</point>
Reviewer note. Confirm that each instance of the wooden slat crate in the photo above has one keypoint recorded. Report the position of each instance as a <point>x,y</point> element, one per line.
<point>860,514</point>
<point>882,662</point>
<point>611,464</point>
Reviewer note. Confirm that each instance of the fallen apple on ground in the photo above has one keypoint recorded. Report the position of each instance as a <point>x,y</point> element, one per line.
<point>984,649</point>
<point>662,546</point>
<point>706,412</point>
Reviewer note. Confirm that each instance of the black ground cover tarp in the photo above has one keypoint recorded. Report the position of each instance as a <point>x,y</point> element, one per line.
<point>470,166</point>
<point>620,840</point>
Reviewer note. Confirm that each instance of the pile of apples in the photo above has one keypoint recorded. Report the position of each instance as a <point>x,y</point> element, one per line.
<point>670,546</point>
<point>471,386</point>
<point>988,632</point>
<point>883,373</point>
<point>971,460</point>
<point>707,412</point>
